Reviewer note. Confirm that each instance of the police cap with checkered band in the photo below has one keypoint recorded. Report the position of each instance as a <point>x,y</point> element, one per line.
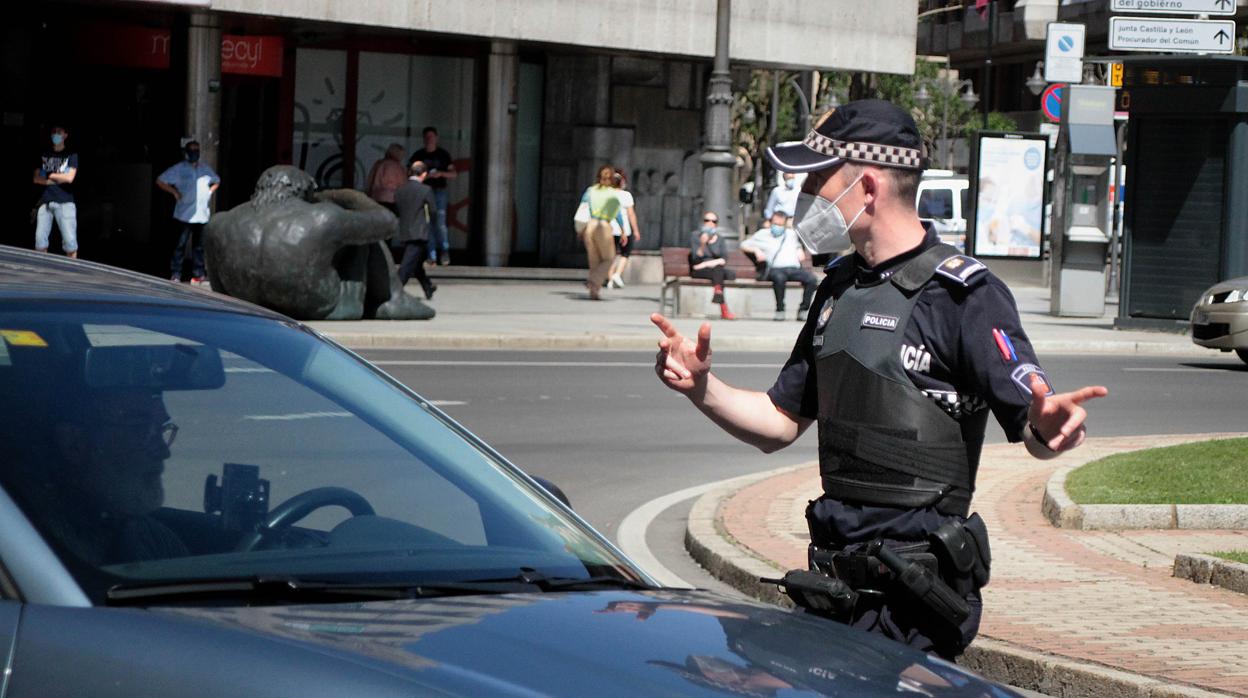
<point>869,131</point>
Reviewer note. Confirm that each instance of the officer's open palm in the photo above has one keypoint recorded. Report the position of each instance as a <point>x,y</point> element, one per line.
<point>1059,418</point>
<point>682,364</point>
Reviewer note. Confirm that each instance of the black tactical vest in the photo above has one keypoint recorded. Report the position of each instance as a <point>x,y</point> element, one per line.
<point>881,440</point>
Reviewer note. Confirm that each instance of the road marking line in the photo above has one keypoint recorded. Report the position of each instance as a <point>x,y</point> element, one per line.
<point>631,534</point>
<point>290,417</point>
<point>1180,370</point>
<point>447,403</point>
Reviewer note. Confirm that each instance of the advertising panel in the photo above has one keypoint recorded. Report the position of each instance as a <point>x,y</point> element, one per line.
<point>1010,185</point>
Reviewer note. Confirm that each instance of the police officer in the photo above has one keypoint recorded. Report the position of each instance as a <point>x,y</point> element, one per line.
<point>907,348</point>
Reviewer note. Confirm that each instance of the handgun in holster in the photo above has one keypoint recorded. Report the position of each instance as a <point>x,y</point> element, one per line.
<point>818,593</point>
<point>924,585</point>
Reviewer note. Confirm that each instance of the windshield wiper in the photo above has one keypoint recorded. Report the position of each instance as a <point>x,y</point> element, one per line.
<point>276,589</point>
<point>260,590</point>
<point>532,577</point>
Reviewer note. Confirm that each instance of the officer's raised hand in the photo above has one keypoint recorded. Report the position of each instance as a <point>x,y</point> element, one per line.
<point>682,364</point>
<point>1056,421</point>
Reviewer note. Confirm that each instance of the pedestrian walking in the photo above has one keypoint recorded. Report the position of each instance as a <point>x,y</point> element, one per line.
<point>625,230</point>
<point>708,260</point>
<point>387,175</point>
<point>782,198</point>
<point>603,201</point>
<point>57,168</point>
<point>191,183</point>
<point>911,347</point>
<point>778,254</point>
<point>441,170</point>
<point>415,203</point>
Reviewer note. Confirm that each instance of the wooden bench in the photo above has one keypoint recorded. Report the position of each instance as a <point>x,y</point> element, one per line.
<point>676,274</point>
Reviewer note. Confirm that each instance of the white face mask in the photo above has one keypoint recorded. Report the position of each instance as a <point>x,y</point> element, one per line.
<point>820,225</point>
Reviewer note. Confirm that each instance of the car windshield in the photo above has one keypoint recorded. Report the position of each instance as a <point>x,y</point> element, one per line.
<point>155,445</point>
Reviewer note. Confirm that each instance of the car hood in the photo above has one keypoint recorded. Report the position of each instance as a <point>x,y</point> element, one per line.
<point>661,642</point>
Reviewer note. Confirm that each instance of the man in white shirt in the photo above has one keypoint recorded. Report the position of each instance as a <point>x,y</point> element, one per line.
<point>778,248</point>
<point>783,198</point>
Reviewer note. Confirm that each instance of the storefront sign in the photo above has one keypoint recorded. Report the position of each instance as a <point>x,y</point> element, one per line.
<point>251,55</point>
<point>144,47</point>
<point>124,46</point>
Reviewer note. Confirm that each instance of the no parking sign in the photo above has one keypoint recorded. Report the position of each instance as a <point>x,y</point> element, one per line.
<point>1051,102</point>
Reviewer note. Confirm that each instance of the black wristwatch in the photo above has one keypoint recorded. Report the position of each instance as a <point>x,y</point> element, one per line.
<point>1036,433</point>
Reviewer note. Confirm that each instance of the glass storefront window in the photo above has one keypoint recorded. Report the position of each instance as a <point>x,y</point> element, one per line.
<point>320,101</point>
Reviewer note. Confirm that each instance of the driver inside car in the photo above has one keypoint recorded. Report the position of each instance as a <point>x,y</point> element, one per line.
<point>108,461</point>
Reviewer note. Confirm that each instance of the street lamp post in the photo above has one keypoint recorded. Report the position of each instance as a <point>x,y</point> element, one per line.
<point>717,158</point>
<point>947,89</point>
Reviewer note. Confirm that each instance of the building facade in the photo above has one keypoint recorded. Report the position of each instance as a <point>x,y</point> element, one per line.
<point>529,96</point>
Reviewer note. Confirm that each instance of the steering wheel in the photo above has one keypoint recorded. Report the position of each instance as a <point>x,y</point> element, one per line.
<point>297,507</point>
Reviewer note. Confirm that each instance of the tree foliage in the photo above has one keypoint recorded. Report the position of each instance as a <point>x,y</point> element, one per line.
<point>944,107</point>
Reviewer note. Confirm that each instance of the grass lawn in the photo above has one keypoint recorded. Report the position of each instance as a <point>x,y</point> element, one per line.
<point>1209,472</point>
<point>1233,555</point>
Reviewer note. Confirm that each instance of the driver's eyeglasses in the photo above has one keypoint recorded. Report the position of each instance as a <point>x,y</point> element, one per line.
<point>710,220</point>
<point>138,432</point>
<point>168,432</point>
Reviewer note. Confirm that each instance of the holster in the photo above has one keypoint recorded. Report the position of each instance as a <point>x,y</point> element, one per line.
<point>965,559</point>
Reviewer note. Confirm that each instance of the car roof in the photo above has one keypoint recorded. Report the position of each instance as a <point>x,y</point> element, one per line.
<point>39,276</point>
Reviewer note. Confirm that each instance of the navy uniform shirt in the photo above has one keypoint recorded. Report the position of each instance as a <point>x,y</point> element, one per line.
<point>964,347</point>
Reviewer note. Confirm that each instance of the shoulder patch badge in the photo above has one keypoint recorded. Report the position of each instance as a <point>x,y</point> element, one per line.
<point>961,269</point>
<point>1021,376</point>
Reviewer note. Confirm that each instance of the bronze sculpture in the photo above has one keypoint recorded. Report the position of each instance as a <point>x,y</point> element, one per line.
<point>312,255</point>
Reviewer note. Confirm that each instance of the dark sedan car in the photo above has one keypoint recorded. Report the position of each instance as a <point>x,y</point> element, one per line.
<point>201,498</point>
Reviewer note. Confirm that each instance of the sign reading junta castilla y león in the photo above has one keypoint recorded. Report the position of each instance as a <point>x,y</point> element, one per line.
<point>1157,35</point>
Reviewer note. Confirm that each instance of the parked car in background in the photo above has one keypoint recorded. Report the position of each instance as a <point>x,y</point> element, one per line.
<point>203,498</point>
<point>1220,317</point>
<point>942,201</point>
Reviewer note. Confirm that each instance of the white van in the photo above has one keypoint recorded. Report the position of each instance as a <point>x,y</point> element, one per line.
<point>942,201</point>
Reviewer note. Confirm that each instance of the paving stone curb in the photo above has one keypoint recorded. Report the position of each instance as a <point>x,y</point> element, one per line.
<point>710,546</point>
<point>1207,569</point>
<point>1063,512</point>
<point>1065,678</point>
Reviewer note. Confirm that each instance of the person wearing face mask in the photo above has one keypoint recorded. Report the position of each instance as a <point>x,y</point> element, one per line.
<point>782,198</point>
<point>708,260</point>
<point>191,183</point>
<point>57,168</point>
<point>778,254</point>
<point>909,348</point>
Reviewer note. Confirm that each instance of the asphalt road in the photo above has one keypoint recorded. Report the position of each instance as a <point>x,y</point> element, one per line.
<point>601,426</point>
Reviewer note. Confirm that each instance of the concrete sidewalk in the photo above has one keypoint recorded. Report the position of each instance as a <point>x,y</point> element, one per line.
<point>555,314</point>
<point>1067,613</point>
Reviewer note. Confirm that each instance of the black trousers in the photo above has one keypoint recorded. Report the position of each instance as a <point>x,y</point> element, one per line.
<point>782,275</point>
<point>413,264</point>
<point>716,276</point>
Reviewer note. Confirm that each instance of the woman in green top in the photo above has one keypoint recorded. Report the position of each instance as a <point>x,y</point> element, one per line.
<point>604,205</point>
